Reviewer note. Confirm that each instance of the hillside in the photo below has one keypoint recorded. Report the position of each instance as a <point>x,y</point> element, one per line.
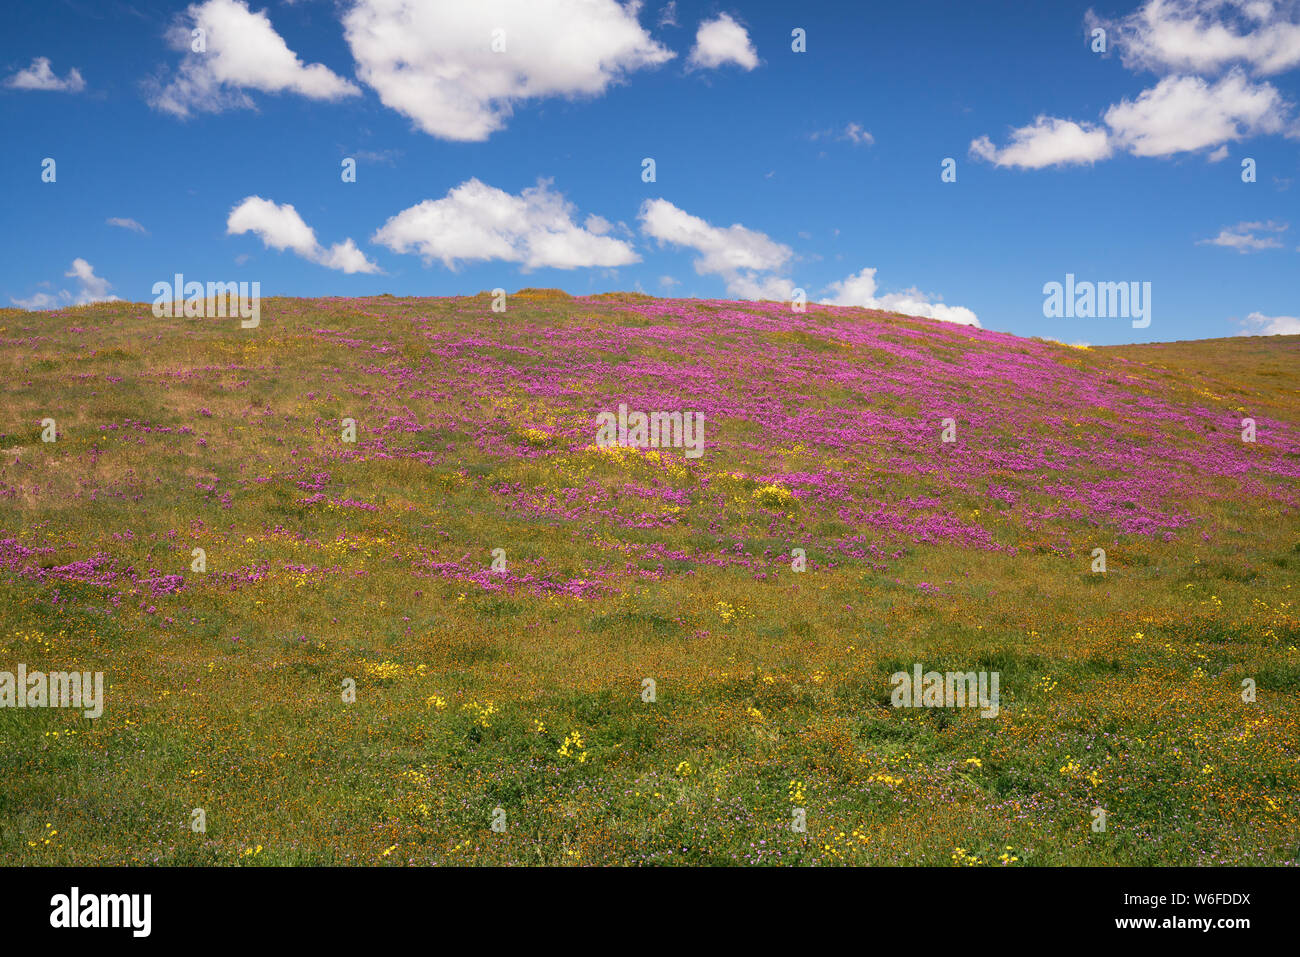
<point>521,688</point>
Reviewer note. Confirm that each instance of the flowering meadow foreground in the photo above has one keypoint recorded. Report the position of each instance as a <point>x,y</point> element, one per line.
<point>518,694</point>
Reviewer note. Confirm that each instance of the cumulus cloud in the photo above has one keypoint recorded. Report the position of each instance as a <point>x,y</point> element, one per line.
<point>39,76</point>
<point>43,300</point>
<point>737,254</point>
<point>1207,52</point>
<point>280,227</point>
<point>749,263</point>
<point>126,223</point>
<point>1179,114</point>
<point>597,224</point>
<point>860,290</point>
<point>1243,238</point>
<point>1185,113</point>
<point>243,52</point>
<point>478,222</point>
<point>722,41</point>
<point>434,60</point>
<point>91,288</point>
<point>1206,36</point>
<point>1049,141</point>
<point>1258,324</point>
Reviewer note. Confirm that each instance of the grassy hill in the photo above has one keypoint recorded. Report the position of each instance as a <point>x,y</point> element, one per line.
<point>329,561</point>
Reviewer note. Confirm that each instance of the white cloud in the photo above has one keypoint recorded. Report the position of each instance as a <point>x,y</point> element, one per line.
<point>772,288</point>
<point>1048,142</point>
<point>346,257</point>
<point>432,60</point>
<point>722,41</point>
<point>92,289</point>
<point>860,290</point>
<point>854,133</point>
<point>668,15</point>
<point>126,223</point>
<point>1258,324</point>
<point>735,253</point>
<point>43,300</point>
<point>39,76</point>
<point>1205,51</point>
<point>748,262</point>
<point>386,157</point>
<point>1185,113</point>
<point>476,222</point>
<point>243,52</point>
<point>1179,114</point>
<point>280,227</point>
<point>1243,238</point>
<point>1205,36</point>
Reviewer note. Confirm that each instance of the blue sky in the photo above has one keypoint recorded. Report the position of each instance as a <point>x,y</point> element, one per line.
<point>774,169</point>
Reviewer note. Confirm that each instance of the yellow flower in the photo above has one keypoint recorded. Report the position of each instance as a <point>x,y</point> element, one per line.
<point>573,745</point>
<point>774,496</point>
<point>964,859</point>
<point>484,713</point>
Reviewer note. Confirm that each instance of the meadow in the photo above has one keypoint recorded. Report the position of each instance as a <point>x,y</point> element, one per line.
<point>517,694</point>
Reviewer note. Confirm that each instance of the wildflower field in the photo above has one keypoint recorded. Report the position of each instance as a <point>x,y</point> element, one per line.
<point>517,695</point>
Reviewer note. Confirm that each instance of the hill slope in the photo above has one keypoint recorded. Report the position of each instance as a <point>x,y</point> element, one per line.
<point>522,688</point>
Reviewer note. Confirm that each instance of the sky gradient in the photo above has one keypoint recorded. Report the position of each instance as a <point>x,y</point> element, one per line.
<point>515,158</point>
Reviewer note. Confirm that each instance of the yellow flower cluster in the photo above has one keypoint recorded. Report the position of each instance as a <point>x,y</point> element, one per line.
<point>46,839</point>
<point>535,437</point>
<point>573,747</point>
<point>774,496</point>
<point>390,670</point>
<point>483,712</point>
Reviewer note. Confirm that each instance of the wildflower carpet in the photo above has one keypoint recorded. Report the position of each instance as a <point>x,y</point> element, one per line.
<point>458,630</point>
